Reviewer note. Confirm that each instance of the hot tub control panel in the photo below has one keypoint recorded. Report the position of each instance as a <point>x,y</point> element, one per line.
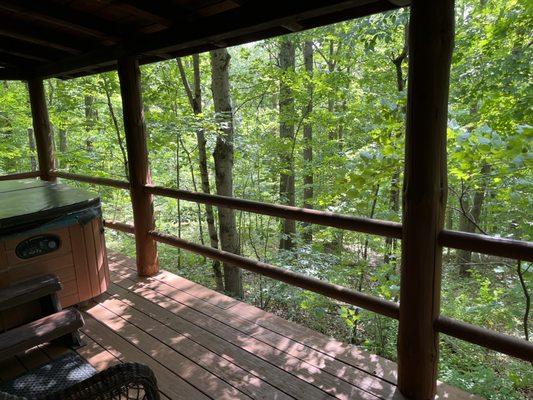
<point>37,246</point>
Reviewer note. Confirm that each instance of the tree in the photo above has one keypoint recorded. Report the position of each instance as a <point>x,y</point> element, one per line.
<point>91,117</point>
<point>223,156</point>
<point>286,133</point>
<point>470,217</point>
<point>195,101</point>
<point>394,194</point>
<point>31,145</point>
<point>307,234</point>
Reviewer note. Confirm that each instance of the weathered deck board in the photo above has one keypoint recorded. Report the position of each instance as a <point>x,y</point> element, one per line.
<point>292,339</point>
<point>217,365</point>
<point>306,378</point>
<point>326,364</point>
<point>266,372</point>
<point>204,345</point>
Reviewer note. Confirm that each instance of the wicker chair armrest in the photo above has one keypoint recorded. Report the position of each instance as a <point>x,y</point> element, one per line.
<point>7,396</point>
<point>113,383</point>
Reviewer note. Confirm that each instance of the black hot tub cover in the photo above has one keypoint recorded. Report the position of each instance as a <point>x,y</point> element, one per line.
<point>31,202</point>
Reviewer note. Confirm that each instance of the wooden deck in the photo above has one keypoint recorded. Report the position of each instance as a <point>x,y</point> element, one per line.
<point>204,345</point>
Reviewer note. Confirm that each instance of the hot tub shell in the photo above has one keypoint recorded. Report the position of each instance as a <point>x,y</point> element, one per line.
<point>52,228</point>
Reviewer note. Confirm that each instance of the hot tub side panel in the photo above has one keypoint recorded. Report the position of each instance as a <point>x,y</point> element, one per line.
<point>80,263</point>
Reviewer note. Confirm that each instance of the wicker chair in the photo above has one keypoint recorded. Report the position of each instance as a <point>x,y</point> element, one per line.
<point>129,381</point>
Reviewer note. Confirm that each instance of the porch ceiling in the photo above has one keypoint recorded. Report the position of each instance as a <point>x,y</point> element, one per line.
<point>70,38</point>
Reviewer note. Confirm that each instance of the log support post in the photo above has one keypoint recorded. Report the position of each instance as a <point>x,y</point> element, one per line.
<point>431,32</point>
<point>42,129</point>
<point>138,167</point>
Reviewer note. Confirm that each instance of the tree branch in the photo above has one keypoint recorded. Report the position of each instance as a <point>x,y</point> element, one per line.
<point>527,298</point>
<point>186,85</point>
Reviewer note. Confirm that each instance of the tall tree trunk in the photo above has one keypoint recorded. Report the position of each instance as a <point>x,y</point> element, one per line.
<point>91,116</point>
<point>394,204</point>
<point>62,147</point>
<point>195,188</point>
<point>471,217</point>
<point>286,133</point>
<point>111,109</point>
<point>178,185</point>
<point>394,195</point>
<point>195,101</point>
<point>63,143</point>
<point>223,156</point>
<point>31,144</point>
<point>332,64</point>
<point>308,141</point>
<point>527,298</point>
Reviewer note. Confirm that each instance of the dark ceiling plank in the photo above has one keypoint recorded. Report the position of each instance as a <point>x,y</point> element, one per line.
<point>17,60</point>
<point>218,7</point>
<point>28,32</point>
<point>24,56</point>
<point>29,50</point>
<point>244,21</point>
<point>12,74</point>
<point>160,12</point>
<point>62,16</point>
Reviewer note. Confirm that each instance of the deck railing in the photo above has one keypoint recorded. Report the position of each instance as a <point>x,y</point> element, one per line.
<point>431,36</point>
<point>514,249</point>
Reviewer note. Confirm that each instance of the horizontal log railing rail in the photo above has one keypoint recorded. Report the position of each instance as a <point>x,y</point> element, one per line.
<point>119,226</point>
<point>502,247</point>
<point>95,180</point>
<point>496,246</point>
<point>487,338</point>
<point>341,293</point>
<point>21,175</point>
<point>363,225</point>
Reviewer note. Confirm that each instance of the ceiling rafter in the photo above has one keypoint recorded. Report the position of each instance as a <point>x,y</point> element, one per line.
<point>63,28</point>
<point>68,18</point>
<point>29,50</point>
<point>18,61</point>
<point>246,21</point>
<point>160,12</point>
<point>30,33</point>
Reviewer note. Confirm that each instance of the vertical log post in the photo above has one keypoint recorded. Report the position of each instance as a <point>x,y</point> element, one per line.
<point>431,32</point>
<point>138,167</point>
<point>42,129</point>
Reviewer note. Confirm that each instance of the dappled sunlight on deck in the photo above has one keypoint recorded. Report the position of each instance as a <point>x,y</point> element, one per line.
<point>202,344</point>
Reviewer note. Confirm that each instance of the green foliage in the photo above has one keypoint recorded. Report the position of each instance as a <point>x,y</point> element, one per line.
<point>358,139</point>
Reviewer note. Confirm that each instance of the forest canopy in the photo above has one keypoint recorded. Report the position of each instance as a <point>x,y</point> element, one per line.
<point>316,119</point>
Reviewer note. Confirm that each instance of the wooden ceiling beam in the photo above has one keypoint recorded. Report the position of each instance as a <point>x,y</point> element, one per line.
<point>83,23</point>
<point>30,33</point>
<point>247,21</point>
<point>17,61</point>
<point>160,12</point>
<point>13,74</point>
<point>24,56</point>
<point>28,50</point>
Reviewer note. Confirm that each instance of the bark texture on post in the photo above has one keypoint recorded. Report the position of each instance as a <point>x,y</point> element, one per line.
<point>42,129</point>
<point>431,33</point>
<point>223,156</point>
<point>139,170</point>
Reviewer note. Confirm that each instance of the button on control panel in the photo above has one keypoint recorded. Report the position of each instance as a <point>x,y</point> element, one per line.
<point>37,246</point>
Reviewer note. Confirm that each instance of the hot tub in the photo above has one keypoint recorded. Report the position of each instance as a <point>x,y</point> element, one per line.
<point>53,228</point>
